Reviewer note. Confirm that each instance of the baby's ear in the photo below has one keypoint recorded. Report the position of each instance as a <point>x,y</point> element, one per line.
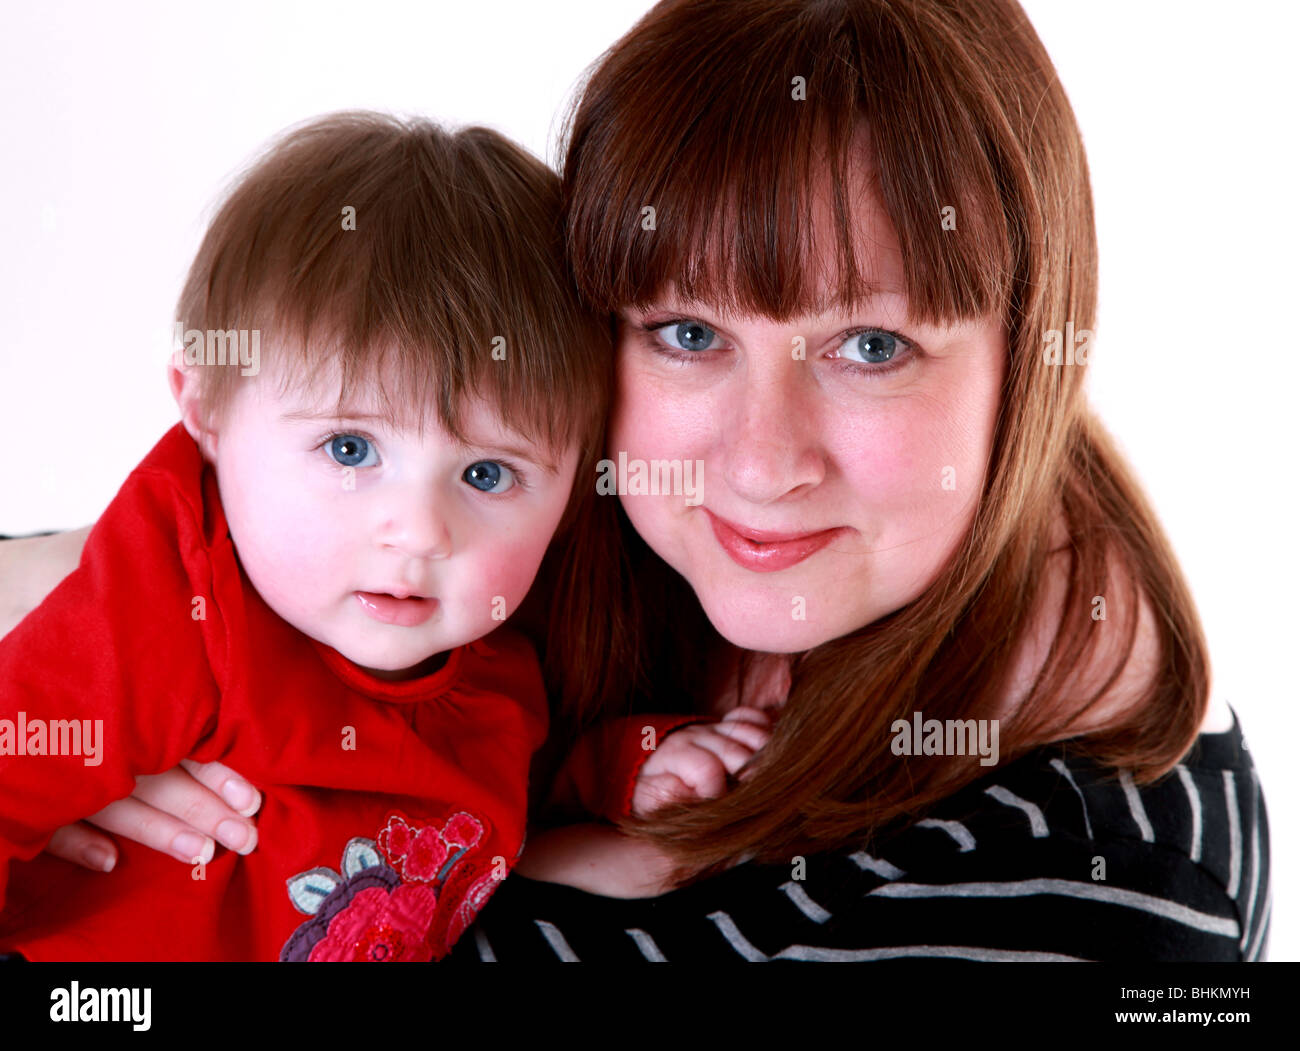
<point>185,386</point>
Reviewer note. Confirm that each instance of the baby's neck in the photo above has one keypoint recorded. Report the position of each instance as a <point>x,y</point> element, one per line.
<point>426,667</point>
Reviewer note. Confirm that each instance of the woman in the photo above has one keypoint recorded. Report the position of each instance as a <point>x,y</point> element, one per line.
<point>849,248</point>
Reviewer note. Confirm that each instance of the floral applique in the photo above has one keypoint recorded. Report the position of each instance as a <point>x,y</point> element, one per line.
<point>383,906</point>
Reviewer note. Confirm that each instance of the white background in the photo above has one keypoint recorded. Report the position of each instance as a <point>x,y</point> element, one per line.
<point>120,124</point>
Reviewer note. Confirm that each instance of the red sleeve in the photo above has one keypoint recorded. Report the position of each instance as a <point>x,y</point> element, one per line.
<point>112,672</point>
<point>598,777</point>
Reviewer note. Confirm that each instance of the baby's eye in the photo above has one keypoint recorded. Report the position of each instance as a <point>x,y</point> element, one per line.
<point>687,335</point>
<point>490,476</point>
<point>352,450</point>
<point>872,347</point>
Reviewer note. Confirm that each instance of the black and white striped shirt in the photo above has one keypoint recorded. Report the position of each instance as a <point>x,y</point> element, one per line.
<point>1045,859</point>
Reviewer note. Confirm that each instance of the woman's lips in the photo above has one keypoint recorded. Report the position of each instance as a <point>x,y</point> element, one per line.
<point>389,609</point>
<point>765,551</point>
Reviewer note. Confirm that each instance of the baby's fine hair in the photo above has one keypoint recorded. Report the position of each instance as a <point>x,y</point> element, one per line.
<point>426,265</point>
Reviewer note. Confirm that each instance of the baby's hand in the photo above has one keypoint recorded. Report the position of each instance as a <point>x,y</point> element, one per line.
<point>693,762</point>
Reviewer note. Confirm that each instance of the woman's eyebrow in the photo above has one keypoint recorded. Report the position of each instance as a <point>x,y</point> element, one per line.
<point>865,298</point>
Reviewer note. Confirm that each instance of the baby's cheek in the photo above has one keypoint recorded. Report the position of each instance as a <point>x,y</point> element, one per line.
<point>292,551</point>
<point>504,575</point>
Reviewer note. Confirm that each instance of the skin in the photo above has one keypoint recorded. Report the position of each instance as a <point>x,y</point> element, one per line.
<point>832,440</point>
<point>800,446</point>
<point>310,535</point>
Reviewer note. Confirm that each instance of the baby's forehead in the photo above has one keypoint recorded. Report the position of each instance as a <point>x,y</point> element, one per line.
<point>400,391</point>
<point>322,400</point>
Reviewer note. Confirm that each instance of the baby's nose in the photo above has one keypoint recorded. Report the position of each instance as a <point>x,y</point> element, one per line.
<point>419,531</point>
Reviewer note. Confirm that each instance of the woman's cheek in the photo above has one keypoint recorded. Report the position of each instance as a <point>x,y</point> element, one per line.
<point>654,419</point>
<point>927,451</point>
<point>887,462</point>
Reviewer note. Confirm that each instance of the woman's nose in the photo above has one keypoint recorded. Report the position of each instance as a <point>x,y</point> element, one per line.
<point>771,444</point>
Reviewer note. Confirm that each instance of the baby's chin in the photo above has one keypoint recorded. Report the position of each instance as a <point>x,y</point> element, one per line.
<point>378,649</point>
<point>392,662</point>
<point>426,666</point>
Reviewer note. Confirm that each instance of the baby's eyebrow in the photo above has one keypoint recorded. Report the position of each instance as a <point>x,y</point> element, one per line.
<point>531,454</point>
<point>295,415</point>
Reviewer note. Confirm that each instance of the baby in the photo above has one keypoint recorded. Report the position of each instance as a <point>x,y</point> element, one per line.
<point>386,388</point>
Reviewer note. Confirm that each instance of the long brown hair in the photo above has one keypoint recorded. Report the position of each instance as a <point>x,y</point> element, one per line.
<point>697,113</point>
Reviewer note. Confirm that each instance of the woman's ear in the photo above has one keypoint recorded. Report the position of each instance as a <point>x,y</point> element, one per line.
<point>184,383</point>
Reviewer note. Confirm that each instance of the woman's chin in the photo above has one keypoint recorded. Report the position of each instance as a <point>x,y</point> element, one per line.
<point>767,628</point>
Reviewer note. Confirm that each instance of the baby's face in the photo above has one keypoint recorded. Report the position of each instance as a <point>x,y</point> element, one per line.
<point>387,545</point>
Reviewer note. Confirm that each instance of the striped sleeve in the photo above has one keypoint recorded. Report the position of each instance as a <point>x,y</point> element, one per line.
<point>1048,859</point>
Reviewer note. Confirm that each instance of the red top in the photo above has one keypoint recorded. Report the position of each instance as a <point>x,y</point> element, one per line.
<point>391,810</point>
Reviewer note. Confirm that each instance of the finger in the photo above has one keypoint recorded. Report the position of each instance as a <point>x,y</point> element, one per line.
<point>731,753</point>
<point>756,716</point>
<point>152,828</point>
<point>659,790</point>
<point>750,735</point>
<point>179,796</point>
<point>702,769</point>
<point>83,846</point>
<point>242,797</point>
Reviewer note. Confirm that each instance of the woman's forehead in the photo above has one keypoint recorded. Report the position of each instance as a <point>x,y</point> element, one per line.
<point>842,209</point>
<point>878,279</point>
<point>854,188</point>
<point>829,307</point>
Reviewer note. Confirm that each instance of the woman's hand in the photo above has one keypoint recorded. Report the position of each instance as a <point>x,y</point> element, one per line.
<point>176,813</point>
<point>597,859</point>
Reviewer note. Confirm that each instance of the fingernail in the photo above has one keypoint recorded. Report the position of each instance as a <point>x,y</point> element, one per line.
<point>233,834</point>
<point>240,795</point>
<point>99,858</point>
<point>190,845</point>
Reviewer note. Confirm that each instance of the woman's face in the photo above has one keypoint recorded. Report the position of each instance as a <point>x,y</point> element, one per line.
<point>865,430</point>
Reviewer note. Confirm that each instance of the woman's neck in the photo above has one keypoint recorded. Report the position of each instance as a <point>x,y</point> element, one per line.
<point>742,677</point>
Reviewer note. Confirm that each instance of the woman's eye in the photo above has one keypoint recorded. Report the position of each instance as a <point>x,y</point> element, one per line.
<point>688,335</point>
<point>352,450</point>
<point>490,476</point>
<point>870,348</point>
